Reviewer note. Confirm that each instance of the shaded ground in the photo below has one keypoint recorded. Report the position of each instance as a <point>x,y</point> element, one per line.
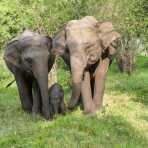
<point>122,123</point>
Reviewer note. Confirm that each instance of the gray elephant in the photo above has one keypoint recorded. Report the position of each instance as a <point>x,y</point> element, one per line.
<point>29,58</point>
<point>87,46</point>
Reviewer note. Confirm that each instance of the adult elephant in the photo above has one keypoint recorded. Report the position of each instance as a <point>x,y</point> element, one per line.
<point>29,58</point>
<point>87,46</point>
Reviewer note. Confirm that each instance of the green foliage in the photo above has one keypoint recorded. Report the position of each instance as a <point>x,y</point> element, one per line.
<point>13,18</point>
<point>48,16</point>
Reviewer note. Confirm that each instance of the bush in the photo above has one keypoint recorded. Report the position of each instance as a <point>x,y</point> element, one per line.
<point>48,16</point>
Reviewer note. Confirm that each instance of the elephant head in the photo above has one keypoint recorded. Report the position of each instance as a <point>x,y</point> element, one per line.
<point>30,54</point>
<point>109,38</point>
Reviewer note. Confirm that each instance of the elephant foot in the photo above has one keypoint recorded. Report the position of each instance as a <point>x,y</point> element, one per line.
<point>27,109</point>
<point>36,110</point>
<point>72,104</point>
<point>46,114</point>
<point>90,111</point>
<point>98,107</point>
<point>34,116</point>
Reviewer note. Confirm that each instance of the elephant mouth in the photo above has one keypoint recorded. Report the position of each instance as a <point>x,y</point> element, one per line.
<point>28,73</point>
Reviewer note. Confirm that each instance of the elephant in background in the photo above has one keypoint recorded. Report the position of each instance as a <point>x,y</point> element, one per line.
<point>87,46</point>
<point>29,58</point>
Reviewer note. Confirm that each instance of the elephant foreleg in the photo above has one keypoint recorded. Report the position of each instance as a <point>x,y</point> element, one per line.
<point>55,108</point>
<point>62,108</point>
<point>24,88</point>
<point>37,103</point>
<point>77,69</point>
<point>100,76</point>
<point>89,107</point>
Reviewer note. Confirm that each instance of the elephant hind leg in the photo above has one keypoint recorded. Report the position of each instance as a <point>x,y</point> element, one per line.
<point>25,92</point>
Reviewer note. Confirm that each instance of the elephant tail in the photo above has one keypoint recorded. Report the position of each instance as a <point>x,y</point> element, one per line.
<point>10,83</point>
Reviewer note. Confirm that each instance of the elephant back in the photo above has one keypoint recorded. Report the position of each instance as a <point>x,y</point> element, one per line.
<point>81,32</point>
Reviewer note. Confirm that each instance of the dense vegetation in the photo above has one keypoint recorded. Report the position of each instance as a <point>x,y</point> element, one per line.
<point>47,16</point>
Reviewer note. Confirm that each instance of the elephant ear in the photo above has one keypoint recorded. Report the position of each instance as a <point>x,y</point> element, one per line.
<point>104,27</point>
<point>59,43</point>
<point>107,36</point>
<point>12,52</point>
<point>51,59</point>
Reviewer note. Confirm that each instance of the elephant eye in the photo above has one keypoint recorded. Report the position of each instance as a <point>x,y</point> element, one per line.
<point>29,60</point>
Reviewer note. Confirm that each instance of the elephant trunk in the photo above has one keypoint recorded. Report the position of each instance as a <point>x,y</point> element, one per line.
<point>76,91</point>
<point>41,74</point>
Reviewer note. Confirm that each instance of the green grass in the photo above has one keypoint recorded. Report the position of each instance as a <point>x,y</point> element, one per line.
<point>123,123</point>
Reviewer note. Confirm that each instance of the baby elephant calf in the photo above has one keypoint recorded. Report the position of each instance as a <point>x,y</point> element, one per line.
<point>56,99</point>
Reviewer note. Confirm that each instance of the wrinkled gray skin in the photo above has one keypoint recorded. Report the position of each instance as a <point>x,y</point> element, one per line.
<point>29,58</point>
<point>87,46</point>
<point>56,99</point>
